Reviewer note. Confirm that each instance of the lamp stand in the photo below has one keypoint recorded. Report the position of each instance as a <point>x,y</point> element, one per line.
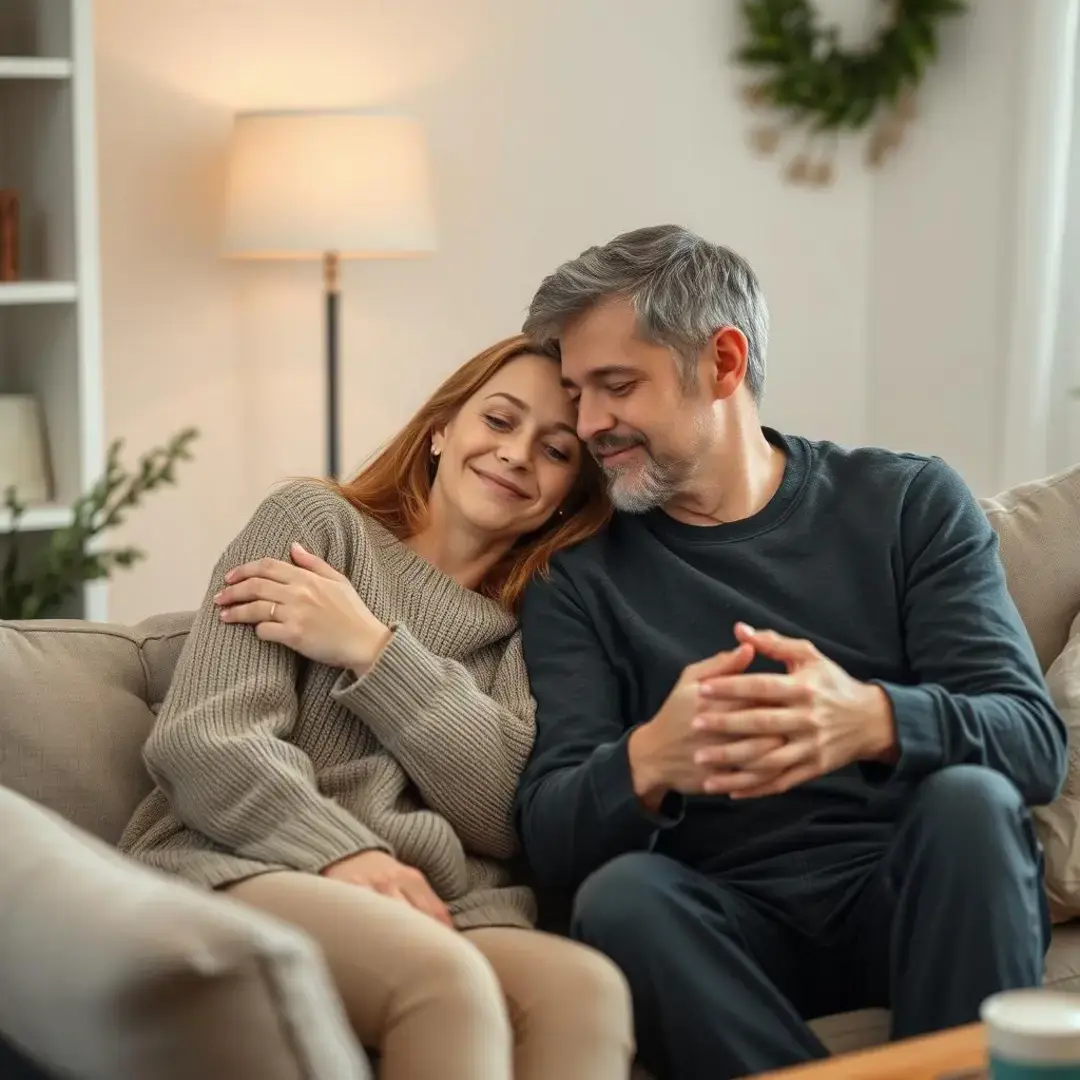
<point>332,292</point>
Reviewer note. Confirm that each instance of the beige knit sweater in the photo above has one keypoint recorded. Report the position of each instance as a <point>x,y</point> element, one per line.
<point>264,760</point>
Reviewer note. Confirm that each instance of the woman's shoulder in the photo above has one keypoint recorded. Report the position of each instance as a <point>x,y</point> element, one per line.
<point>309,500</point>
<point>312,511</point>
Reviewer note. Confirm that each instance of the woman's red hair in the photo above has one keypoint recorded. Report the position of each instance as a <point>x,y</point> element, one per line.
<point>394,487</point>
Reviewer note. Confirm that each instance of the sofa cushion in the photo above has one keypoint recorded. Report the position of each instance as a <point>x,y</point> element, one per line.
<point>1038,525</point>
<point>123,972</point>
<point>78,702</point>
<point>1059,823</point>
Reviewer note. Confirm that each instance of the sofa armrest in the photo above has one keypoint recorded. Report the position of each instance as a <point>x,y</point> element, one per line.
<point>111,970</point>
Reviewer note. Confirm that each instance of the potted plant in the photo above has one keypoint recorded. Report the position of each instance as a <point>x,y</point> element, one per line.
<point>36,586</point>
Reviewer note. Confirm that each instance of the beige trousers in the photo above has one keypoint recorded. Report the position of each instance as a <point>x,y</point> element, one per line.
<point>488,1004</point>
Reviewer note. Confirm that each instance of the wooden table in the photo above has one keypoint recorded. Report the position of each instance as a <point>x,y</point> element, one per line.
<point>930,1057</point>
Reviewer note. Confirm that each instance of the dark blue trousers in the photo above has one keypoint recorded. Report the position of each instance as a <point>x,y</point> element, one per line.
<point>13,1066</point>
<point>726,969</point>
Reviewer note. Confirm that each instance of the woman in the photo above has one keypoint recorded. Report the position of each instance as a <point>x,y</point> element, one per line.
<point>342,739</point>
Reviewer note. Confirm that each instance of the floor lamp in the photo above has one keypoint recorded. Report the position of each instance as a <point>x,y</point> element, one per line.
<point>328,185</point>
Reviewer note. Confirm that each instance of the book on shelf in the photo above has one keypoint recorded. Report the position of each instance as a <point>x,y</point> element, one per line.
<point>9,234</point>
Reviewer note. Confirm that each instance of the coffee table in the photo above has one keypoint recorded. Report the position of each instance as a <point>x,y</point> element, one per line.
<point>959,1054</point>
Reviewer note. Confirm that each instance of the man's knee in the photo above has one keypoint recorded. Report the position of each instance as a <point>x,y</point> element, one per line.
<point>968,793</point>
<point>969,811</point>
<point>615,903</point>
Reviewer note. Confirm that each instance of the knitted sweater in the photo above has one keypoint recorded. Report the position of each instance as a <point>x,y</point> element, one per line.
<point>264,760</point>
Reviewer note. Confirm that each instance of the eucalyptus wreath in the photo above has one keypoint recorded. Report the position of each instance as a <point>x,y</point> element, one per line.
<point>825,89</point>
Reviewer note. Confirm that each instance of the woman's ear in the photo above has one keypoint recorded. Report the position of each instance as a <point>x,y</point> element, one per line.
<point>438,441</point>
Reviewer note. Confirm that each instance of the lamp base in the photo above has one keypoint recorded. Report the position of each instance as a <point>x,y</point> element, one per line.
<point>332,291</point>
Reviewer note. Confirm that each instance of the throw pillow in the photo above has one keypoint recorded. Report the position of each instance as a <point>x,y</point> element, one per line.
<point>1059,823</point>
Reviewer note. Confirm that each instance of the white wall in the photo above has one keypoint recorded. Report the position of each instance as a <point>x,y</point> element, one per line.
<point>553,125</point>
<point>943,245</point>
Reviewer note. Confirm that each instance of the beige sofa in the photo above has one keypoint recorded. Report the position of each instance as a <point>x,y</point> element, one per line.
<point>108,971</point>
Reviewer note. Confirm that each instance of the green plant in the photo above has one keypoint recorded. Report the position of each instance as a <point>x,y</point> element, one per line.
<point>35,587</point>
<point>825,89</point>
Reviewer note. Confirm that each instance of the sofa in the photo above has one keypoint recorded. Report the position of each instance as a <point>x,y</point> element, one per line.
<point>109,971</point>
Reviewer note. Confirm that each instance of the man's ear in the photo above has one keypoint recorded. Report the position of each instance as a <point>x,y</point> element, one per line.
<point>726,352</point>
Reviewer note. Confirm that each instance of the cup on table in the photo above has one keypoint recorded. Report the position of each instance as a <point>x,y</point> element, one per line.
<point>1033,1035</point>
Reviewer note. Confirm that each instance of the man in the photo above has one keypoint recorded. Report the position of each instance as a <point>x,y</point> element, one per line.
<point>789,721</point>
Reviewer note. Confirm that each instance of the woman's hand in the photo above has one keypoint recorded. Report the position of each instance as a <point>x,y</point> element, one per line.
<point>383,874</point>
<point>306,605</point>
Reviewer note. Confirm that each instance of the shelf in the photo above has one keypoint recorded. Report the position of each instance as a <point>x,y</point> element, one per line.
<point>34,67</point>
<point>38,292</point>
<point>37,519</point>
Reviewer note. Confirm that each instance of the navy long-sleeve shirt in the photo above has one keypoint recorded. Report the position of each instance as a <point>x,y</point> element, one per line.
<point>884,561</point>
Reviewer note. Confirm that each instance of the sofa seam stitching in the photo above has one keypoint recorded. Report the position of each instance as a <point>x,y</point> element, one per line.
<point>1029,497</point>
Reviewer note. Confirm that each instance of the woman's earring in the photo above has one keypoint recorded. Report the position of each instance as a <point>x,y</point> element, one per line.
<point>435,452</point>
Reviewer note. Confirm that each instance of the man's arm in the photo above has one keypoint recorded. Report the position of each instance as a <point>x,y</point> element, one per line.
<point>577,805</point>
<point>979,696</point>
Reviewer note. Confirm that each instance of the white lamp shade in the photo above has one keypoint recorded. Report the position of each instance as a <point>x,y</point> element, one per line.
<point>301,184</point>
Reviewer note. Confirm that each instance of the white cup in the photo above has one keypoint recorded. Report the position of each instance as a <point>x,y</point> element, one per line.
<point>1033,1035</point>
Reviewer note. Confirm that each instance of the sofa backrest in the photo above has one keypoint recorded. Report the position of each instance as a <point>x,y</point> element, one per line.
<point>1038,525</point>
<point>77,700</point>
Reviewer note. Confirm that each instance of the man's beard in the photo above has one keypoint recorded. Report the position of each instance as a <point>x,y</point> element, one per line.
<point>638,488</point>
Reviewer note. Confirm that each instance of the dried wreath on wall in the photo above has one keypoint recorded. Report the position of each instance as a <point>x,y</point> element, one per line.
<point>824,89</point>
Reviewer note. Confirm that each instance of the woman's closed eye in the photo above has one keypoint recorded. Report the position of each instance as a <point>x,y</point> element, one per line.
<point>504,424</point>
<point>558,454</point>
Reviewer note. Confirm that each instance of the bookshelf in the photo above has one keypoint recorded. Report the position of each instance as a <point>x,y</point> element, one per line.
<point>50,319</point>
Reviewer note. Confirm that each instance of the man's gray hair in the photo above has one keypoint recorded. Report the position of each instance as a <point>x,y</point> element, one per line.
<point>682,289</point>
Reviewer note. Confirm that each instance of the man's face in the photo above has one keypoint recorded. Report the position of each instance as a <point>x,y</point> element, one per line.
<point>644,425</point>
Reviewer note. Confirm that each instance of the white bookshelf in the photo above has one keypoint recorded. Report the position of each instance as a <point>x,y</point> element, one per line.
<point>35,67</point>
<point>38,519</point>
<point>50,320</point>
<point>37,292</point>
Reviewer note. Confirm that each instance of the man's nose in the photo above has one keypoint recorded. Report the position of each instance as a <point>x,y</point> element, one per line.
<point>592,419</point>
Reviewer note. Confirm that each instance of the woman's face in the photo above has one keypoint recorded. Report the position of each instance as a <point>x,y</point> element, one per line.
<point>509,458</point>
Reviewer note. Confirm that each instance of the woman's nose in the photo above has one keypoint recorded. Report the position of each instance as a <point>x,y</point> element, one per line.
<point>513,451</point>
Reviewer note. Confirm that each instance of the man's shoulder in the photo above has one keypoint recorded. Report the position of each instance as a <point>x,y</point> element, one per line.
<point>875,483</point>
<point>575,562</point>
<point>869,466</point>
<point>594,564</point>
<point>622,533</point>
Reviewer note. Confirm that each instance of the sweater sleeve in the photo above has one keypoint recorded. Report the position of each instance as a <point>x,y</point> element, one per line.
<point>576,802</point>
<point>463,748</point>
<point>220,750</point>
<point>977,695</point>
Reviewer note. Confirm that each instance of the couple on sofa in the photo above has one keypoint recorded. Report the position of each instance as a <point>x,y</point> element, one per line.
<point>772,723</point>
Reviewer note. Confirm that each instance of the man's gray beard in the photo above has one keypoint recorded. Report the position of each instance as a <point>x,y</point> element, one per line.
<point>637,491</point>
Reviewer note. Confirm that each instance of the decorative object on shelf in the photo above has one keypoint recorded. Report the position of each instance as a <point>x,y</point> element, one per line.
<point>24,461</point>
<point>328,185</point>
<point>824,89</point>
<point>9,234</point>
<point>56,572</point>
